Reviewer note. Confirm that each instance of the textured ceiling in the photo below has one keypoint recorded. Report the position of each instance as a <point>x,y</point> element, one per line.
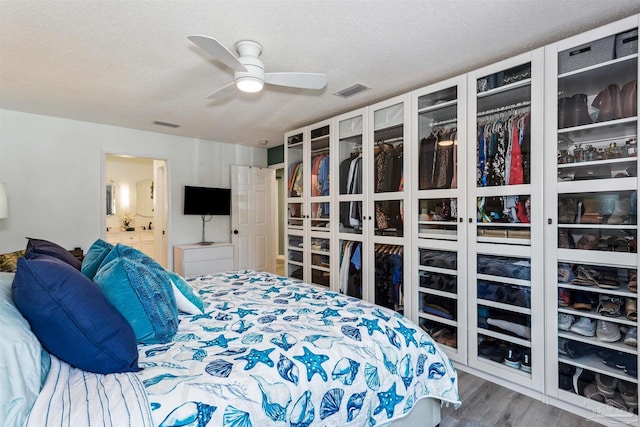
<point>128,62</point>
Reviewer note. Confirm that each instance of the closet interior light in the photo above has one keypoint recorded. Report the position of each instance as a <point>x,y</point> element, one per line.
<point>445,143</point>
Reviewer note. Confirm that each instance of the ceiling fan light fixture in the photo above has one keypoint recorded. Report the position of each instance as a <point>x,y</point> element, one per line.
<point>249,84</point>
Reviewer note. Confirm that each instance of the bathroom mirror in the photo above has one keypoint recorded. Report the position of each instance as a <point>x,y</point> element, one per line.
<point>111,197</point>
<point>144,198</point>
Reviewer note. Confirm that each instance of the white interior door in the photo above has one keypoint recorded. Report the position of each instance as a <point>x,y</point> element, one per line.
<point>160,209</point>
<point>254,217</point>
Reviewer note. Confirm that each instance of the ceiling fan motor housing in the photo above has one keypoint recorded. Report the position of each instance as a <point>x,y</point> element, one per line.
<point>251,80</point>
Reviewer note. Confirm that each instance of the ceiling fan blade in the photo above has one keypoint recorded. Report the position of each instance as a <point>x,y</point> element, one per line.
<point>300,80</point>
<point>214,48</point>
<point>224,91</point>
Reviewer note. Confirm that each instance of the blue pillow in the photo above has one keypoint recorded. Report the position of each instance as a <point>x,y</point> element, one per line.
<point>94,257</point>
<point>143,296</point>
<point>72,318</point>
<point>186,300</point>
<point>45,247</point>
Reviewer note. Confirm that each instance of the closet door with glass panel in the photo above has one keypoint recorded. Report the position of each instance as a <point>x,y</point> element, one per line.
<point>592,211</point>
<point>319,204</point>
<point>295,242</point>
<point>386,201</point>
<point>438,211</point>
<point>504,199</point>
<point>351,143</point>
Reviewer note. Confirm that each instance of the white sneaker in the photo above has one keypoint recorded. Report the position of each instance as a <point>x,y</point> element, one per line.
<point>565,321</point>
<point>584,326</point>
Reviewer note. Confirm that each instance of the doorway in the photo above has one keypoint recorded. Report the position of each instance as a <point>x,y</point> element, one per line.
<point>136,213</point>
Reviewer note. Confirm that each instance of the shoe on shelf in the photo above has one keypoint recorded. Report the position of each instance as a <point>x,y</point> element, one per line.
<point>584,301</point>
<point>564,297</point>
<point>512,357</point>
<point>631,309</point>
<point>631,338</point>
<point>525,362</point>
<point>610,306</point>
<point>565,321</point>
<point>606,385</point>
<point>584,326</point>
<point>633,282</point>
<point>591,392</point>
<point>607,331</point>
<point>628,393</point>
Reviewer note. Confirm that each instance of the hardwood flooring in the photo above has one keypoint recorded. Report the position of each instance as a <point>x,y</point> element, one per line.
<point>485,404</point>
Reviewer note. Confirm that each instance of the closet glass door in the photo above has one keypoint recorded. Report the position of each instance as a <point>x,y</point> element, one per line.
<point>351,219</point>
<point>295,242</point>
<point>319,207</point>
<point>439,213</point>
<point>596,232</point>
<point>505,252</point>
<point>388,188</point>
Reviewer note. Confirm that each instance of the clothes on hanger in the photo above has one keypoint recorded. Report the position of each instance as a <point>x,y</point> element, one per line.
<point>350,275</point>
<point>503,153</point>
<point>389,291</point>
<point>437,161</point>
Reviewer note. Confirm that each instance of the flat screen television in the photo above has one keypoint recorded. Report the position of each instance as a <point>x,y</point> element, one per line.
<point>207,201</point>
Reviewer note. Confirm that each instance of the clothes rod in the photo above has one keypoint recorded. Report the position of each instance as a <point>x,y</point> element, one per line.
<point>505,108</point>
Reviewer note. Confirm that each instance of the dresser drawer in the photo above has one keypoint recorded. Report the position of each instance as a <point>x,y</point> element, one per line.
<point>204,254</point>
<point>131,239</point>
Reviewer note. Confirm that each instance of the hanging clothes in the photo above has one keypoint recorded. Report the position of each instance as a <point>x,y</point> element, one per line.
<point>503,150</point>
<point>389,276</point>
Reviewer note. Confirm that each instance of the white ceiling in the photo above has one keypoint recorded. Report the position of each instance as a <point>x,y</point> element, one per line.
<point>128,63</point>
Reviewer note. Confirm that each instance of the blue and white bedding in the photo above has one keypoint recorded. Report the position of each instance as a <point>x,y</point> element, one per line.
<point>275,351</point>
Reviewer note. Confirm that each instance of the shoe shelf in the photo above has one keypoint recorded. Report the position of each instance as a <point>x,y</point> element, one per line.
<point>505,280</point>
<point>504,337</point>
<point>594,315</point>
<point>616,346</point>
<point>438,293</point>
<point>594,363</point>
<point>593,257</point>
<point>601,409</point>
<point>497,367</point>
<point>621,291</point>
<point>438,270</point>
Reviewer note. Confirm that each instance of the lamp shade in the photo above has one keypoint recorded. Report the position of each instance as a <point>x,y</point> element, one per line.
<point>4,205</point>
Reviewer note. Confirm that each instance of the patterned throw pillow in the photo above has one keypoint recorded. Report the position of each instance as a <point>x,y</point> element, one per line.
<point>9,261</point>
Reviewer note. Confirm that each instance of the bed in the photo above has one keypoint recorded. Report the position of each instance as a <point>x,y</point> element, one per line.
<point>264,351</point>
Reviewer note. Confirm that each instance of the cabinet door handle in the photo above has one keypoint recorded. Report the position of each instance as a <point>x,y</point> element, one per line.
<point>549,221</point>
<point>235,231</point>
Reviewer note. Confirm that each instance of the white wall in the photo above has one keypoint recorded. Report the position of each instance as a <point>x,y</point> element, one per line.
<point>52,168</point>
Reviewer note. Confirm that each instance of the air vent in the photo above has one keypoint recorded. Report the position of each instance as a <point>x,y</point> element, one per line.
<point>167,124</point>
<point>352,90</point>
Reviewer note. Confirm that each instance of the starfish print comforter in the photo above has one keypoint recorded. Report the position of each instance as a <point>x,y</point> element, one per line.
<point>273,351</point>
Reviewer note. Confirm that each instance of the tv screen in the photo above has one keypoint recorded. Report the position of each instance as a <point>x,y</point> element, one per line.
<point>207,201</point>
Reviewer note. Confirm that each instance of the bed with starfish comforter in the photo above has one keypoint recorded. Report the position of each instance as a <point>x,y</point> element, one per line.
<point>266,351</point>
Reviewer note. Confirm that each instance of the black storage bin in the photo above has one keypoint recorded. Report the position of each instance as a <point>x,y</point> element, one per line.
<point>587,54</point>
<point>627,43</point>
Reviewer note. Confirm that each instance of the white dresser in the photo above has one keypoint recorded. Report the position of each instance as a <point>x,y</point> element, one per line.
<point>141,240</point>
<point>194,260</point>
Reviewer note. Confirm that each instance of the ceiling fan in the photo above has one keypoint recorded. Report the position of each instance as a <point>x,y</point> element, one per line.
<point>249,75</point>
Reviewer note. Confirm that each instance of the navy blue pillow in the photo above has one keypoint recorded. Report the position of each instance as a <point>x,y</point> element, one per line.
<point>45,247</point>
<point>72,318</point>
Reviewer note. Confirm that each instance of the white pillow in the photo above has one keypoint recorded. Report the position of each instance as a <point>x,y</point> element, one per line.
<point>186,299</point>
<point>22,358</point>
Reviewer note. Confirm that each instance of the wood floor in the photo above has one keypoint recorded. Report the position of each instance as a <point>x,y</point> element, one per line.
<point>485,404</point>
